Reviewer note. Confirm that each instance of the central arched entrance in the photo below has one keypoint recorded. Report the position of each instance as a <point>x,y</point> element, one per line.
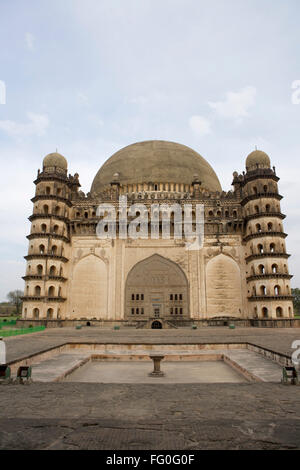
<point>156,288</point>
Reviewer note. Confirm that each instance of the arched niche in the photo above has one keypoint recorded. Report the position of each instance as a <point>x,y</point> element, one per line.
<point>223,287</point>
<point>158,287</point>
<point>88,296</point>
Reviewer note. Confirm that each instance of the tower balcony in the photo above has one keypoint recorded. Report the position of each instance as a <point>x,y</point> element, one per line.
<point>36,298</point>
<point>37,277</point>
<point>253,197</point>
<point>264,234</point>
<point>57,236</point>
<point>259,215</point>
<point>267,298</point>
<point>258,277</point>
<point>48,216</point>
<point>266,255</point>
<point>52,197</point>
<point>45,256</point>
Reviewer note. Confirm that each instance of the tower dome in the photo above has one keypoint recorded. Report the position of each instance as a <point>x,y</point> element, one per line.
<point>55,160</point>
<point>156,161</point>
<point>257,159</point>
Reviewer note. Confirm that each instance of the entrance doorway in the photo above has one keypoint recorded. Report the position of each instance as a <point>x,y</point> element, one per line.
<point>156,325</point>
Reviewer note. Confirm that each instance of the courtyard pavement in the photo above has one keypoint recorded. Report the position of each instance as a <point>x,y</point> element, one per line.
<point>145,416</point>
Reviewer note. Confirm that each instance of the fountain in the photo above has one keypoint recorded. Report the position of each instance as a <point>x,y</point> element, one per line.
<point>156,358</point>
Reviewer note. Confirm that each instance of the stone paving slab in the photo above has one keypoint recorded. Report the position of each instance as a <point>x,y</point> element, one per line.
<point>184,416</point>
<point>138,372</point>
<point>259,366</point>
<point>56,367</point>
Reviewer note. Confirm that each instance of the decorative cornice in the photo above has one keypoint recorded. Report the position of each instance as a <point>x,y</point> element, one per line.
<point>52,197</point>
<point>266,255</point>
<point>57,236</point>
<point>259,215</point>
<point>258,298</point>
<point>253,197</point>
<point>46,256</point>
<point>257,277</point>
<point>264,234</point>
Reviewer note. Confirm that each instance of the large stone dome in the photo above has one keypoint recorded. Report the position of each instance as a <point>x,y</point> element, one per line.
<point>156,161</point>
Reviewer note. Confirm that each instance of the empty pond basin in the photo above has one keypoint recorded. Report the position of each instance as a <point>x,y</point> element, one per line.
<point>137,372</point>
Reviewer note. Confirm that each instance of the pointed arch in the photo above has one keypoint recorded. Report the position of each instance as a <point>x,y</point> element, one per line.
<point>89,287</point>
<point>223,287</point>
<point>159,286</point>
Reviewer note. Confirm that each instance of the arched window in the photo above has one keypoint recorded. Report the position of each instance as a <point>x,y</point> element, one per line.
<point>254,190</point>
<point>265,313</point>
<point>48,190</point>
<point>43,228</point>
<point>265,188</point>
<point>46,209</point>
<point>54,250</point>
<point>37,291</point>
<point>39,269</point>
<point>274,268</point>
<point>42,249</point>
<point>258,227</point>
<point>270,227</point>
<point>277,290</point>
<point>256,208</point>
<point>51,291</point>
<point>268,208</point>
<point>272,247</point>
<point>260,248</point>
<point>263,290</point>
<point>36,313</point>
<point>279,312</point>
<point>261,269</point>
<point>57,210</point>
<point>55,229</point>
<point>52,271</point>
<point>50,314</point>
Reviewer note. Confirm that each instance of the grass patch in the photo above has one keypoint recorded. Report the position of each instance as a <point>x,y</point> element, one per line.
<point>21,331</point>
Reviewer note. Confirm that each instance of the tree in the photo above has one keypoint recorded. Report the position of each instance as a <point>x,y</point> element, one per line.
<point>14,298</point>
<point>296,299</point>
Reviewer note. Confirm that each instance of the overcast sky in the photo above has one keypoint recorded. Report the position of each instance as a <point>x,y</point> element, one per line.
<point>89,77</point>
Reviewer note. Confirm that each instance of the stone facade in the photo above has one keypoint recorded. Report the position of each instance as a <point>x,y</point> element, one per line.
<point>241,272</point>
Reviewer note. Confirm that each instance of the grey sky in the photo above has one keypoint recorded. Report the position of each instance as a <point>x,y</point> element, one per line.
<point>91,76</point>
